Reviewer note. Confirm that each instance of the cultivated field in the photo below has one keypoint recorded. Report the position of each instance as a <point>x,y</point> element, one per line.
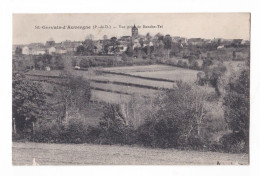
<point>158,71</point>
<point>115,84</point>
<point>109,97</point>
<point>89,154</point>
<point>132,80</point>
<point>124,89</point>
<point>175,75</point>
<point>141,68</point>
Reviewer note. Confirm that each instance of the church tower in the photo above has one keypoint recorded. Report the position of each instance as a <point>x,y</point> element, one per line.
<point>134,32</point>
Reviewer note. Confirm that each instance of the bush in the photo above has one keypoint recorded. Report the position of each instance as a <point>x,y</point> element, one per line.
<point>233,143</point>
<point>162,133</point>
<point>74,131</point>
<point>185,65</point>
<point>50,132</point>
<point>178,121</point>
<point>180,63</point>
<point>113,128</point>
<point>84,63</point>
<point>124,57</point>
<point>237,108</point>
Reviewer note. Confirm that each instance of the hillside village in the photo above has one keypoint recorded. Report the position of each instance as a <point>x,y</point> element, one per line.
<point>135,45</point>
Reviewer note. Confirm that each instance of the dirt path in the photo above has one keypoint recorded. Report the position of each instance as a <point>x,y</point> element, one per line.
<point>88,154</point>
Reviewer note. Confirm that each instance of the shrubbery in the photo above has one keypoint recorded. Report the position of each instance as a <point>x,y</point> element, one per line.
<point>113,127</point>
<point>73,131</point>
<point>177,119</point>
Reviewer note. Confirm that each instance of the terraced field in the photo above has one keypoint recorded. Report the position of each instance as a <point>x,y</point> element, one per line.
<point>157,72</point>
<point>124,89</point>
<point>174,75</point>
<point>132,80</point>
<point>112,83</point>
<point>141,68</point>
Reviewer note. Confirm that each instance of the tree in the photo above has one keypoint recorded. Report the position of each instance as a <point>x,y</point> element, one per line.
<point>59,63</point>
<point>29,102</point>
<point>179,120</point>
<point>186,106</point>
<point>168,44</point>
<point>114,43</point>
<point>129,51</point>
<point>236,106</point>
<point>141,41</point>
<point>89,47</point>
<point>18,50</point>
<point>84,63</point>
<point>46,59</point>
<point>80,50</point>
<point>159,48</point>
<point>113,126</point>
<point>214,75</point>
<point>207,62</point>
<point>73,94</point>
<point>105,44</point>
<point>148,37</point>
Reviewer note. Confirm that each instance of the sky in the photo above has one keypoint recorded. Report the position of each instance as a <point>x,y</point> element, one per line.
<point>32,28</point>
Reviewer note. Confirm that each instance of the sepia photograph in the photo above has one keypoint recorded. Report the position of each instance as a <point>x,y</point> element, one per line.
<point>130,89</point>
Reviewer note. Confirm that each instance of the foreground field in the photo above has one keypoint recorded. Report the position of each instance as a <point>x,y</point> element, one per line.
<point>83,154</point>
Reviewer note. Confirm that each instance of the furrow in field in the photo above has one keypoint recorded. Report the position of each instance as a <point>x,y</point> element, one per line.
<point>127,84</point>
<point>123,89</point>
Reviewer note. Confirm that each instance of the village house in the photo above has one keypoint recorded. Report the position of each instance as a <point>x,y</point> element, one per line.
<point>26,50</point>
<point>36,45</point>
<point>178,39</point>
<point>226,42</point>
<point>125,39</point>
<point>220,47</point>
<point>38,51</point>
<point>34,49</point>
<point>237,42</point>
<point>50,43</point>
<point>245,42</point>
<point>196,41</point>
<point>47,68</point>
<point>61,50</point>
<point>52,50</point>
<point>71,46</point>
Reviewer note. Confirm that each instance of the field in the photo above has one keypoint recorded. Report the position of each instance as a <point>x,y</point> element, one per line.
<point>157,71</point>
<point>124,89</point>
<point>141,68</point>
<point>132,80</point>
<point>116,84</point>
<point>89,154</point>
<point>109,97</point>
<point>175,75</point>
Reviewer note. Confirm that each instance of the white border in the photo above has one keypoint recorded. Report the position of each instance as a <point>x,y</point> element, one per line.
<point>123,6</point>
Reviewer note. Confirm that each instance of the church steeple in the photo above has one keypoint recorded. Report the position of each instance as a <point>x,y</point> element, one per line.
<point>134,32</point>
